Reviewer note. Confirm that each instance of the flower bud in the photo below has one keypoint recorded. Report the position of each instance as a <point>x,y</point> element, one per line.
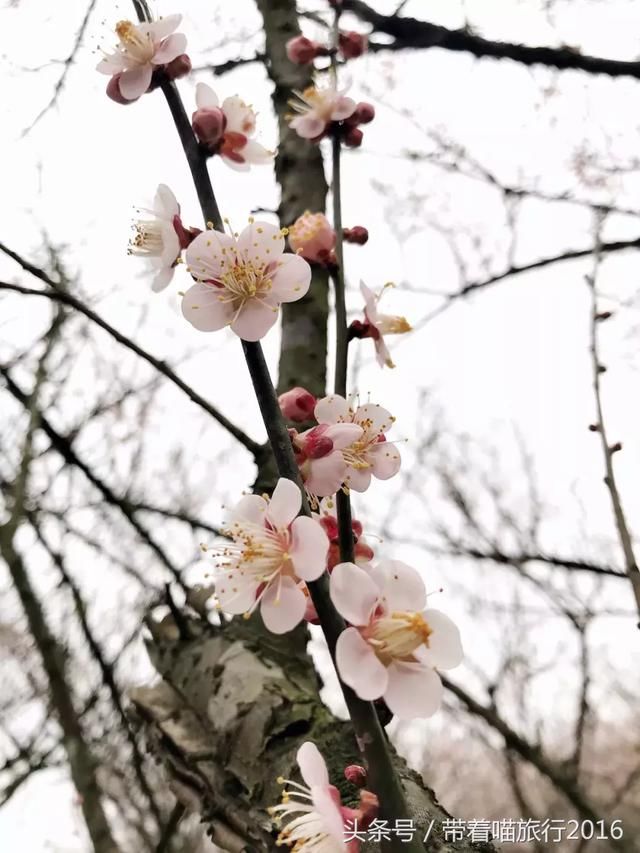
<point>363,113</point>
<point>358,234</point>
<point>316,444</point>
<point>353,137</point>
<point>356,774</point>
<point>302,50</point>
<point>178,67</point>
<point>297,404</point>
<point>352,45</point>
<point>312,236</point>
<point>113,91</point>
<point>208,126</point>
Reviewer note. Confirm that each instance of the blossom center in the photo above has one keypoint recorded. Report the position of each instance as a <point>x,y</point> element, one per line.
<point>148,240</point>
<point>246,281</point>
<point>397,635</point>
<point>258,551</point>
<point>139,46</point>
<point>393,325</point>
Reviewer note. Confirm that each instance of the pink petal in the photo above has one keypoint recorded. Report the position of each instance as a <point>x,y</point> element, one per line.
<point>162,279</point>
<point>203,308</point>
<point>309,548</point>
<point>373,418</point>
<point>159,30</point>
<point>282,606</point>
<point>342,435</point>
<point>134,82</point>
<point>235,592</point>
<point>358,665</point>
<point>312,765</point>
<point>343,108</point>
<point>170,245</point>
<point>370,303</point>
<point>256,154</point>
<point>385,459</point>
<point>308,126</point>
<point>206,98</point>
<point>170,48</point>
<point>261,243</point>
<point>165,204</point>
<point>234,164</point>
<point>291,278</point>
<point>325,805</point>
<point>401,585</point>
<point>112,64</point>
<point>444,649</point>
<point>285,503</point>
<point>240,117</point>
<point>251,508</point>
<point>210,254</point>
<point>412,691</point>
<point>383,356</point>
<point>354,593</point>
<point>332,410</point>
<point>326,475</point>
<point>254,320</point>
<point>358,479</point>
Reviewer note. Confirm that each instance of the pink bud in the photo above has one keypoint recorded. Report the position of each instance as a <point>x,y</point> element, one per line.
<point>208,125</point>
<point>356,774</point>
<point>353,137</point>
<point>302,50</point>
<point>358,234</point>
<point>178,67</point>
<point>113,91</point>
<point>297,404</point>
<point>363,113</point>
<point>316,444</point>
<point>312,236</point>
<point>352,45</point>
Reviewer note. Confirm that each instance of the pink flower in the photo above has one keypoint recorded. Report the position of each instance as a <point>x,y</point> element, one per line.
<point>157,238</point>
<point>297,405</point>
<point>312,236</point>
<point>317,108</point>
<point>142,47</point>
<point>227,129</point>
<point>370,454</point>
<point>316,820</point>
<point>319,456</point>
<point>377,325</point>
<point>241,281</point>
<point>394,646</point>
<point>271,554</point>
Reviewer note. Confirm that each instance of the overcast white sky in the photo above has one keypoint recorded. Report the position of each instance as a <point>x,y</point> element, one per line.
<point>512,359</point>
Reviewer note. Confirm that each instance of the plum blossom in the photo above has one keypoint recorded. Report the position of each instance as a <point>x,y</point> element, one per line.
<point>141,49</point>
<point>271,554</point>
<point>316,820</point>
<point>377,325</point>
<point>160,238</point>
<point>319,454</point>
<point>394,646</point>
<point>313,237</point>
<point>317,109</point>
<point>227,128</point>
<point>242,280</point>
<point>370,454</point>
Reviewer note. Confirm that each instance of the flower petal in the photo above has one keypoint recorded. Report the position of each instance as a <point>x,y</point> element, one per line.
<point>203,308</point>
<point>343,108</point>
<point>112,64</point>
<point>261,243</point>
<point>332,410</point>
<point>206,98</point>
<point>254,320</point>
<point>385,459</point>
<point>171,47</point>
<point>251,508</point>
<point>162,279</point>
<point>370,303</point>
<point>282,606</point>
<point>240,117</point>
<point>383,356</point>
<point>312,765</point>
<point>209,254</point>
<point>159,30</point>
<point>285,503</point>
<point>256,154</point>
<point>309,548</point>
<point>342,435</point>
<point>236,593</point>
<point>308,126</point>
<point>444,649</point>
<point>412,690</point>
<point>165,204</point>
<point>134,82</point>
<point>401,585</point>
<point>291,279</point>
<point>170,245</point>
<point>325,805</point>
<point>358,665</point>
<point>373,418</point>
<point>358,479</point>
<point>326,475</point>
<point>353,592</point>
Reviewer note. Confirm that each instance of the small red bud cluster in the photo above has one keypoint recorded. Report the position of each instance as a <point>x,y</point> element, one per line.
<point>358,234</point>
<point>302,50</point>
<point>349,129</point>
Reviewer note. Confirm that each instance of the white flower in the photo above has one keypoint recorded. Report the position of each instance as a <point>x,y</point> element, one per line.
<point>317,108</point>
<point>242,280</point>
<point>370,454</point>
<point>315,823</point>
<point>394,647</point>
<point>235,146</point>
<point>156,238</point>
<point>381,324</point>
<point>272,552</point>
<point>141,48</point>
